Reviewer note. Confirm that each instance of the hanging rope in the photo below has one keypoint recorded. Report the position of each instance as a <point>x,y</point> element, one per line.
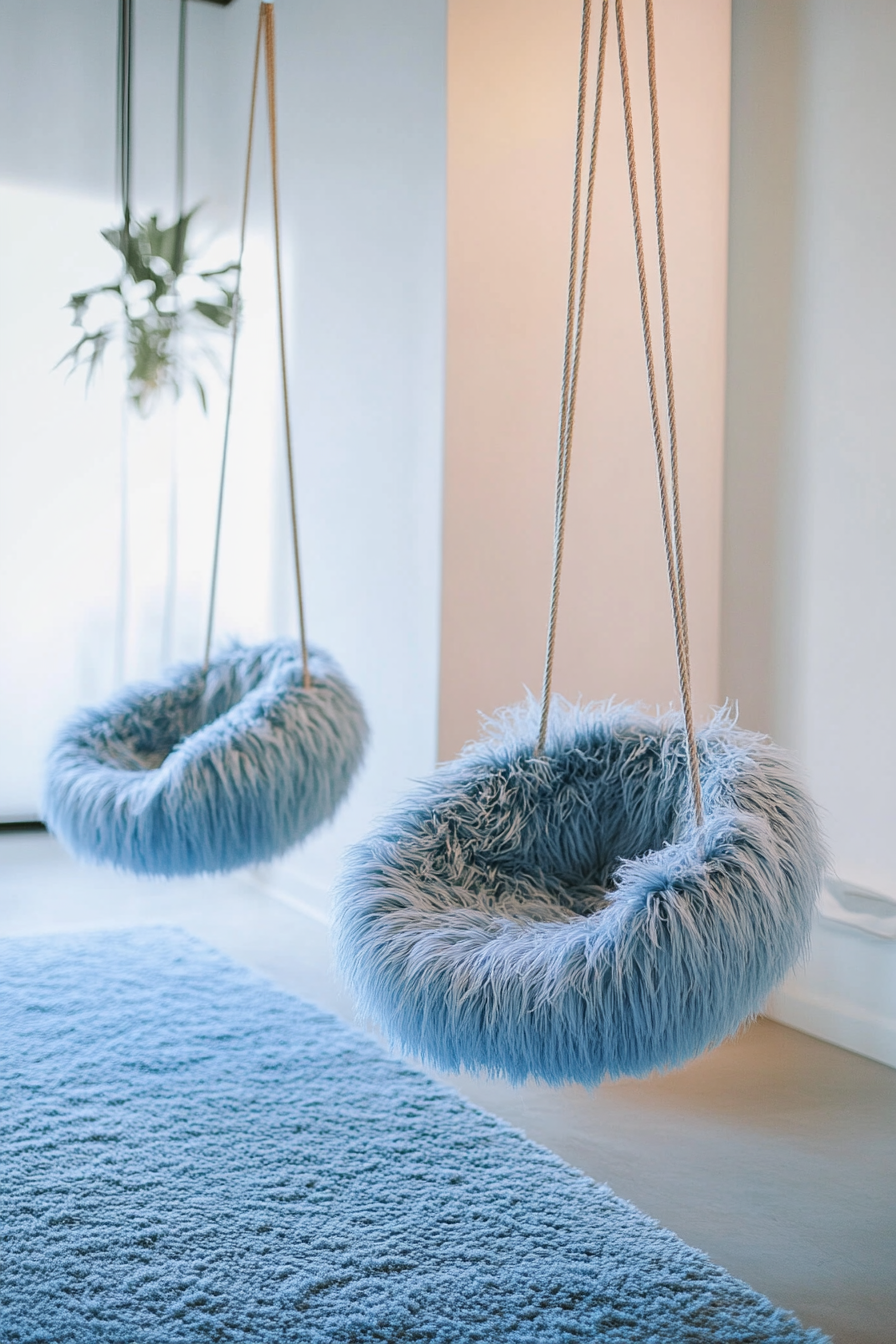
<point>264,35</point>
<point>169,610</point>
<point>669,507</point>
<point>234,337</point>
<point>121,600</point>
<point>667,332</point>
<point>267,11</point>
<point>668,481</point>
<point>181,169</point>
<point>123,125</point>
<point>575,316</point>
<point>123,166</point>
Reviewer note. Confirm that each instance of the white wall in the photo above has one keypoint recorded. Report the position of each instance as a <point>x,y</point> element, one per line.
<point>512,69</point>
<point>362,91</point>
<point>809,639</point>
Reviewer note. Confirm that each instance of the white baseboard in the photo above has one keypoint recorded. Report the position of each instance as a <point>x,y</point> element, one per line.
<point>845,1024</point>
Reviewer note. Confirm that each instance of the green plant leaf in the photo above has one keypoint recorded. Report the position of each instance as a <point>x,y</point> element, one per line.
<point>229,269</point>
<point>87,352</point>
<point>219,313</point>
<point>200,392</point>
<point>153,258</point>
<point>169,244</point>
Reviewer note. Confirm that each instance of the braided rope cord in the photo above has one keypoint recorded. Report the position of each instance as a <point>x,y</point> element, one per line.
<point>667,477</point>
<point>264,40</point>
<point>575,317</point>
<point>669,495</point>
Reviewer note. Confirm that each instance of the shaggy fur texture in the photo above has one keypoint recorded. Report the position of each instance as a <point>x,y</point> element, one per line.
<point>203,772</point>
<point>190,1156</point>
<point>562,917</point>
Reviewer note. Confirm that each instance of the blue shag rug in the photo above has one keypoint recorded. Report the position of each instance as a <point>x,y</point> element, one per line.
<point>208,770</point>
<point>190,1154</point>
<point>562,916</point>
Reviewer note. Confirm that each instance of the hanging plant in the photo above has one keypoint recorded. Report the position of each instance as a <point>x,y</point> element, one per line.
<point>167,311</point>
<point>162,307</point>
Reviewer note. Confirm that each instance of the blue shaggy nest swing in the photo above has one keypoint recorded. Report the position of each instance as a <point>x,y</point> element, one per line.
<point>207,771</point>
<point>227,762</point>
<point>587,893</point>
<point>561,916</point>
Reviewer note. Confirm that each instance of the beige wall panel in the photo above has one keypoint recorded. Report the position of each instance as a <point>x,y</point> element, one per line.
<point>511,106</point>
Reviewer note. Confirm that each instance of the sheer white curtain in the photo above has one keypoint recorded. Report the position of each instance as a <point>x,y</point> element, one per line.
<point>107,517</point>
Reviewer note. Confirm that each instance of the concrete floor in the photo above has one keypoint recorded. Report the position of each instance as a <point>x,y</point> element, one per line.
<point>775,1153</point>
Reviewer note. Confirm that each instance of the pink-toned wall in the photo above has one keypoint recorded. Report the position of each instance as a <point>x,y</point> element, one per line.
<point>511,106</point>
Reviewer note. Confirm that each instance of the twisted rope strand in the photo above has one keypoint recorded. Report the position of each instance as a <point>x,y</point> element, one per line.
<point>575,313</point>
<point>562,463</point>
<point>586,253</point>
<point>234,335</point>
<point>677,533</point>
<point>667,328</point>
<point>672,566</point>
<point>270,70</point>
<point>265,36</point>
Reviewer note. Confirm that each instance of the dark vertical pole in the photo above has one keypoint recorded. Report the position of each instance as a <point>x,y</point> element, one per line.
<point>181,110</point>
<point>125,54</point>
<point>181,159</point>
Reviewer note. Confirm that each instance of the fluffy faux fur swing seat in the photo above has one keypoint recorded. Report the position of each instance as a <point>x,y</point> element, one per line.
<point>561,917</point>
<point>587,892</point>
<point>232,760</point>
<point>208,771</point>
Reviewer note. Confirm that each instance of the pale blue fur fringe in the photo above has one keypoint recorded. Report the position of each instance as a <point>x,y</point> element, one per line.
<point>205,772</point>
<point>561,917</point>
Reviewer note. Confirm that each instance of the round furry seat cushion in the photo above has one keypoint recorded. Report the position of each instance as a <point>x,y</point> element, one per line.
<point>561,916</point>
<point>207,771</point>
